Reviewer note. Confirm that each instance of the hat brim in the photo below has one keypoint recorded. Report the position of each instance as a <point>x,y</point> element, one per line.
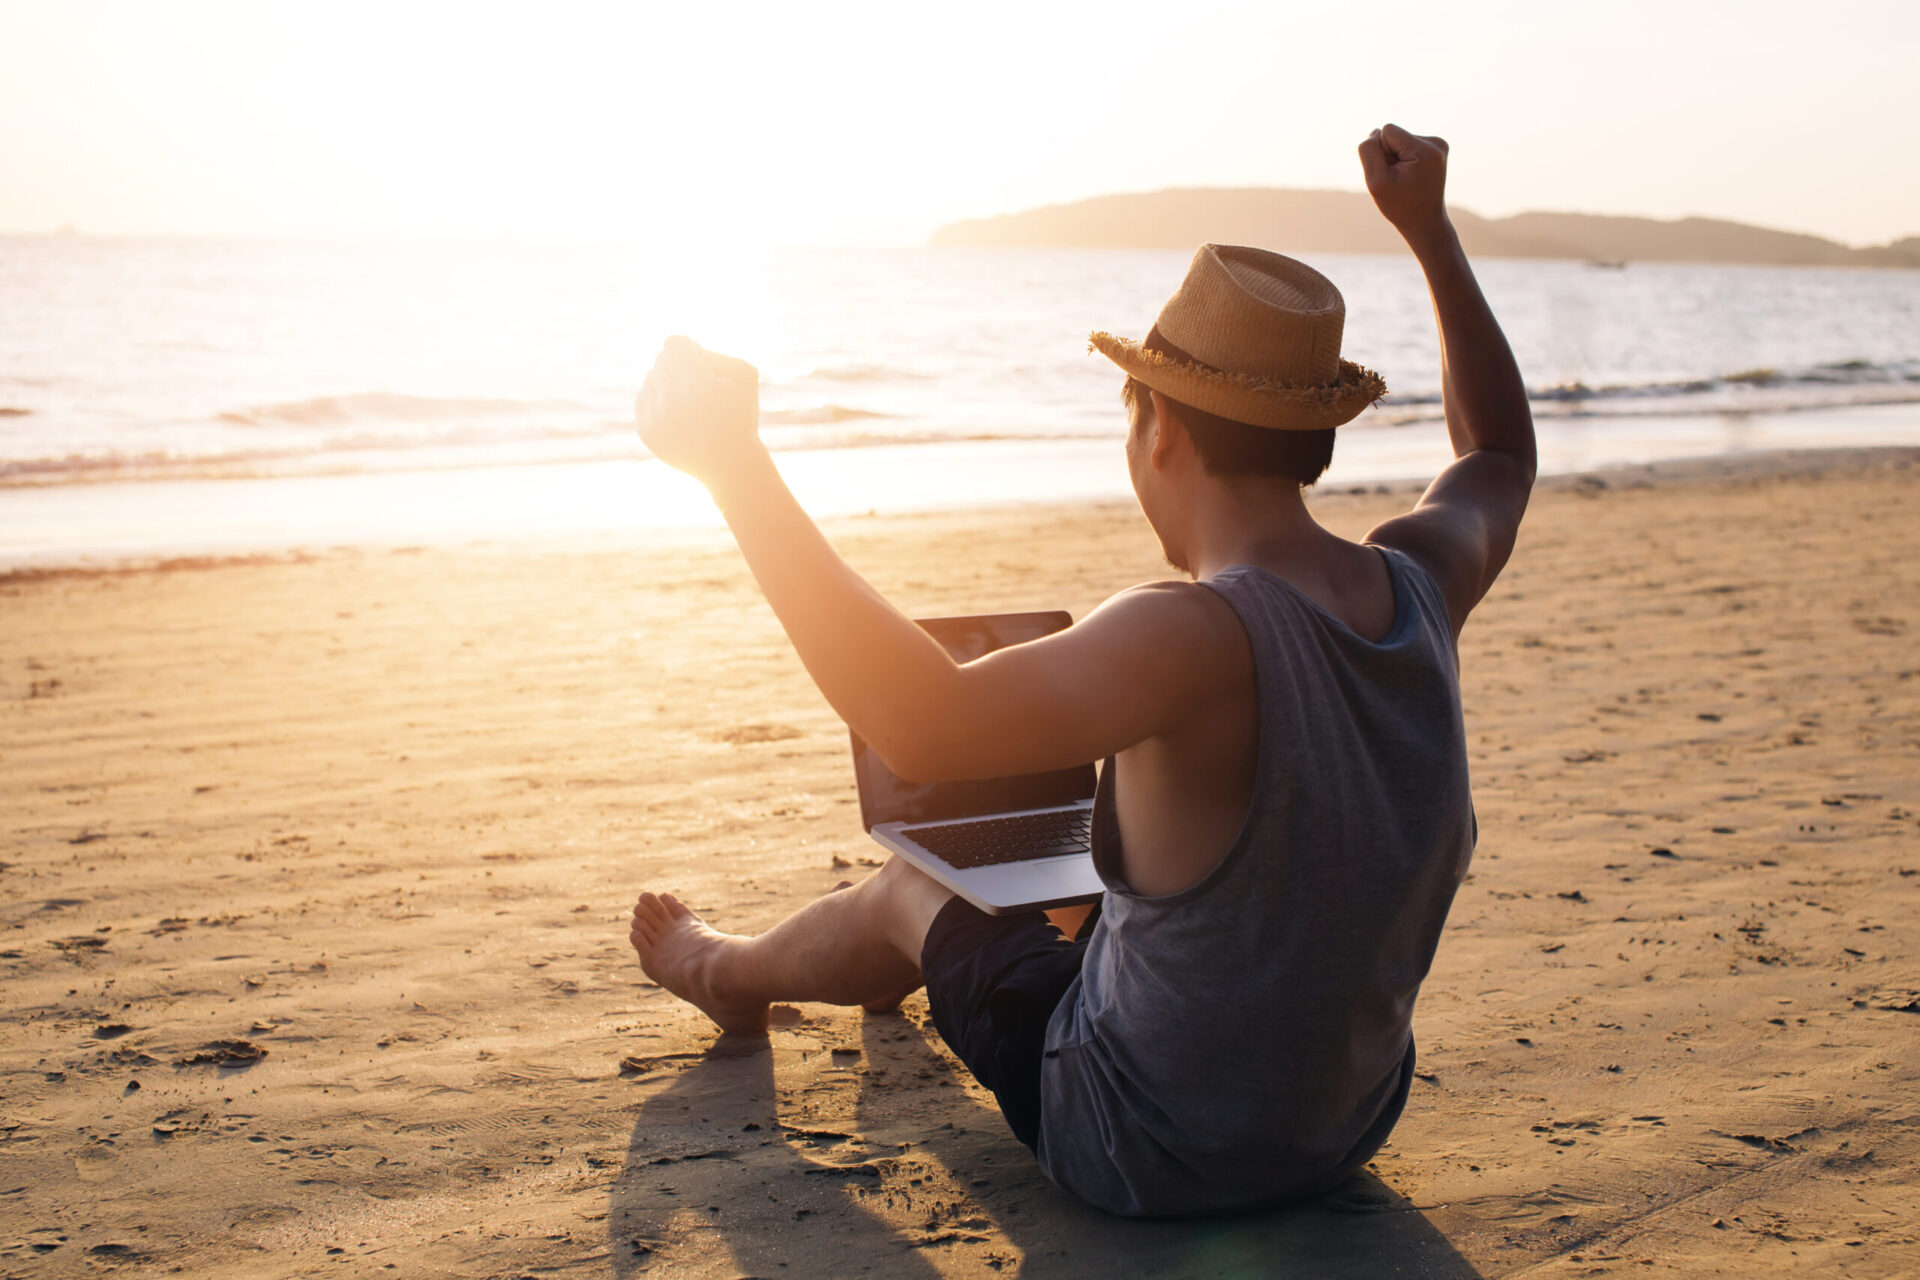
<point>1242,397</point>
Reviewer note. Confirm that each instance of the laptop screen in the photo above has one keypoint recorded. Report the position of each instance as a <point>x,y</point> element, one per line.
<point>887,797</point>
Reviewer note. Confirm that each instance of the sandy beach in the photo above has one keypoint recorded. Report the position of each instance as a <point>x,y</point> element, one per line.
<point>315,876</point>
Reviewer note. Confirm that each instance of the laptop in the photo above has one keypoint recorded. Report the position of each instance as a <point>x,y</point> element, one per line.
<point>1017,843</point>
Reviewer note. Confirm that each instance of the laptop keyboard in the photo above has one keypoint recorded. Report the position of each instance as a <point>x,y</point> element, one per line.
<point>1018,838</point>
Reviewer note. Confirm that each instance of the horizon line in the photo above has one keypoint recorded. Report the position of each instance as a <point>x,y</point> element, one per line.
<point>924,239</point>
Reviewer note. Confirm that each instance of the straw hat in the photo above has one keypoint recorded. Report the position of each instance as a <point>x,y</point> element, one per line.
<point>1254,337</point>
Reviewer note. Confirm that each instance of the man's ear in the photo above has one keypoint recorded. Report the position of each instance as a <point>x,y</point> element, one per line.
<point>1167,428</point>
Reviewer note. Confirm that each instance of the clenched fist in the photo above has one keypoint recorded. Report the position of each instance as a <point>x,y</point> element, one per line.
<point>1407,178</point>
<point>699,412</point>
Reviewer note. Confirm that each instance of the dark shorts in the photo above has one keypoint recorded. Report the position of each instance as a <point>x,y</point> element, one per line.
<point>992,984</point>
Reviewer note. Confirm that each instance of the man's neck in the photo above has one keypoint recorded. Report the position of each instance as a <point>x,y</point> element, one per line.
<point>1236,520</point>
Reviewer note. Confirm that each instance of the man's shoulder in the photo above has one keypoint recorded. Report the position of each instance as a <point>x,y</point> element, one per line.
<point>1176,603</point>
<point>1177,620</point>
<point>1462,530</point>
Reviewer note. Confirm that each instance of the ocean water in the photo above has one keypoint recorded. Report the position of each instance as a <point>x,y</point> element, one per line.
<point>167,395</point>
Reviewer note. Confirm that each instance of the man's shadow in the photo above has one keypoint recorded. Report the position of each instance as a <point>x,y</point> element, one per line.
<point>712,1172</point>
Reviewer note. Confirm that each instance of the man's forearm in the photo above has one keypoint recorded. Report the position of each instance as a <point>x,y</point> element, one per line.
<point>881,672</point>
<point>1485,399</point>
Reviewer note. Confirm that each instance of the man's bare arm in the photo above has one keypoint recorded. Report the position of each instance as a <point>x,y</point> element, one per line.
<point>1464,526</point>
<point>1132,669</point>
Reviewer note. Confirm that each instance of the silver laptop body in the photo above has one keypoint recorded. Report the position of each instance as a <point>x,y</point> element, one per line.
<point>1017,843</point>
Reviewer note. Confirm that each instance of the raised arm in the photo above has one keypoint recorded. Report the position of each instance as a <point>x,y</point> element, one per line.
<point>1463,527</point>
<point>1133,669</point>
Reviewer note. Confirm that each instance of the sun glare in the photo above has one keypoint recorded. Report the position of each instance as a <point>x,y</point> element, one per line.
<point>723,125</point>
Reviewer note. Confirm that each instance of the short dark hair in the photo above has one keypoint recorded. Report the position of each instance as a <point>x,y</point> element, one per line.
<point>1229,448</point>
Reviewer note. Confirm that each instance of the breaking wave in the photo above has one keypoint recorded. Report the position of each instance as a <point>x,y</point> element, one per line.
<point>1838,384</point>
<point>818,415</point>
<point>385,406</point>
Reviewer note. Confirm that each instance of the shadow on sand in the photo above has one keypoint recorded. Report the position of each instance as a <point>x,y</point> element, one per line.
<point>725,1169</point>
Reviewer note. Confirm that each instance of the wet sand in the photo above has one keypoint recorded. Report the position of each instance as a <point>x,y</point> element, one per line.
<point>315,873</point>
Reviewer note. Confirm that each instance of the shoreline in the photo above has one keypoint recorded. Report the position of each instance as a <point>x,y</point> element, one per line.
<point>706,532</point>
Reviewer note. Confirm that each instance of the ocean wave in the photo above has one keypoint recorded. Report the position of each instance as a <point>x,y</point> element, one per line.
<point>1820,386</point>
<point>817,415</point>
<point>862,373</point>
<point>398,456</point>
<point>385,406</point>
<point>367,448</point>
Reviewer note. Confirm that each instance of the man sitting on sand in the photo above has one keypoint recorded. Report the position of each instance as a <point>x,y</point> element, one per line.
<point>1284,813</point>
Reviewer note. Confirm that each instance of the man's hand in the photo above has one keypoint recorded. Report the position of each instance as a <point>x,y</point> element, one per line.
<point>699,412</point>
<point>1407,178</point>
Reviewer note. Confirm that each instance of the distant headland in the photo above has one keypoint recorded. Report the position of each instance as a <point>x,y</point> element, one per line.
<point>1346,222</point>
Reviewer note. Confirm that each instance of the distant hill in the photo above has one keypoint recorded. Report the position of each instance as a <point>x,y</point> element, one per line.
<point>1346,222</point>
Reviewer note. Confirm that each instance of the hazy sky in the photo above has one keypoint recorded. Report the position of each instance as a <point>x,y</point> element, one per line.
<point>828,122</point>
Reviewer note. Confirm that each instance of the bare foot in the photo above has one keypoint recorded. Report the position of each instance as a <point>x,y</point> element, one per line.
<point>695,961</point>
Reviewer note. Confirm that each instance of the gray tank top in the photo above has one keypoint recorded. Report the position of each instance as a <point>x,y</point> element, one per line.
<point>1248,1040</point>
